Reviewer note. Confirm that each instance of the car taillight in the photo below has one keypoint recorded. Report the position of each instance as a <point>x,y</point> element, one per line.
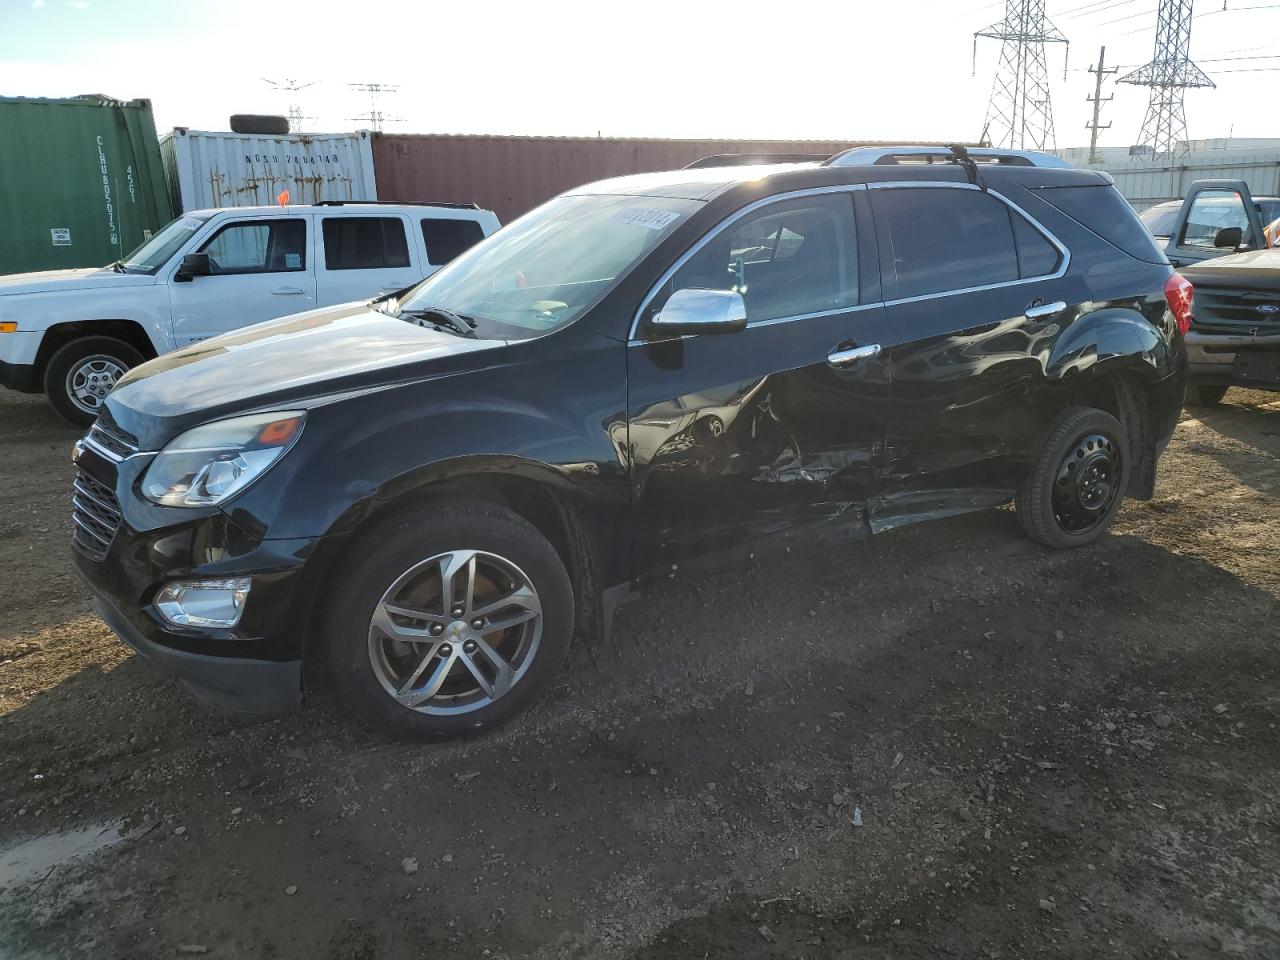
<point>1179,292</point>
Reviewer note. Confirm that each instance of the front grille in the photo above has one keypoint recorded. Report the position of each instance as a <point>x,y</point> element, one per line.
<point>96,514</point>
<point>1236,313</point>
<point>112,439</point>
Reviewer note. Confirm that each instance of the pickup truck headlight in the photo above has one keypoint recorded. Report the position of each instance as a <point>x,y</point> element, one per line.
<point>213,462</point>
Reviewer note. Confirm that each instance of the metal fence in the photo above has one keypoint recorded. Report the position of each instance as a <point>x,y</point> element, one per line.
<point>1145,184</point>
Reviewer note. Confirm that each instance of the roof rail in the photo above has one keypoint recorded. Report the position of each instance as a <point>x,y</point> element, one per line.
<point>879,156</point>
<point>396,203</point>
<point>745,159</point>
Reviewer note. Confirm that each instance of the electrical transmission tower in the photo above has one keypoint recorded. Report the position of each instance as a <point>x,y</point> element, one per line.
<point>1019,114</point>
<point>375,116</point>
<point>1169,74</point>
<point>294,113</point>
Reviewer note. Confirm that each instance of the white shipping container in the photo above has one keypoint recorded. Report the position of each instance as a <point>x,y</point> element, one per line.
<point>213,169</point>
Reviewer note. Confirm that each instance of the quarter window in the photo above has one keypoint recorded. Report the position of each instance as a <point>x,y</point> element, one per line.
<point>945,239</point>
<point>787,259</point>
<point>447,238</point>
<point>364,243</point>
<point>259,246</point>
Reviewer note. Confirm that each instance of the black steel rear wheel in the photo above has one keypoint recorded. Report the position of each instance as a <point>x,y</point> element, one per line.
<point>1076,485</point>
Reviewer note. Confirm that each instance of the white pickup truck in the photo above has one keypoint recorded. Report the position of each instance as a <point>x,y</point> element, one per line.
<point>73,333</point>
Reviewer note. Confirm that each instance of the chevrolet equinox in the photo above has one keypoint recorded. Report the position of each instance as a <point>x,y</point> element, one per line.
<point>433,492</point>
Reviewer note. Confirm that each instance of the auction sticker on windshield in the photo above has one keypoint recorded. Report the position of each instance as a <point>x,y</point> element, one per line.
<point>650,217</point>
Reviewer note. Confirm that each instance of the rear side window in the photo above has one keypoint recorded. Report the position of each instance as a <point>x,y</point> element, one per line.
<point>1037,257</point>
<point>1101,210</point>
<point>364,243</point>
<point>448,238</point>
<point>947,239</point>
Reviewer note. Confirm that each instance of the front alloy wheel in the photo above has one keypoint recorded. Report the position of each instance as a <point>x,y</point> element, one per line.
<point>448,620</point>
<point>455,632</point>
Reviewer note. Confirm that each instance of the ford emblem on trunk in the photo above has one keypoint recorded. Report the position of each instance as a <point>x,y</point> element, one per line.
<point>1269,308</point>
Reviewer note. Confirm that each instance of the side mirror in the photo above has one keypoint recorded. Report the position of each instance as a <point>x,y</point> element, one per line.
<point>194,265</point>
<point>1230,237</point>
<point>701,311</point>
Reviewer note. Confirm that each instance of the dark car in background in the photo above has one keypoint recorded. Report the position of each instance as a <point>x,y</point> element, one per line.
<point>1216,219</point>
<point>432,493</point>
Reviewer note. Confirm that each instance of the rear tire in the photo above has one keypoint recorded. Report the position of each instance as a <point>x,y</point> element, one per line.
<point>1077,483</point>
<point>1204,396</point>
<point>408,662</point>
<point>81,373</point>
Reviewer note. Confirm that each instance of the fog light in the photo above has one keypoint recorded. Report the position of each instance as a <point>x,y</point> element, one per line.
<point>203,603</point>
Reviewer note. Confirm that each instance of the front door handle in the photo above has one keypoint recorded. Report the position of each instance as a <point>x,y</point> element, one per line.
<point>1042,310</point>
<point>851,355</point>
<point>287,292</point>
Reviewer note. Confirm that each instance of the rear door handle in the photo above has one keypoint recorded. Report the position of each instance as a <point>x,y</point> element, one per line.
<point>851,355</point>
<point>287,292</point>
<point>1042,310</point>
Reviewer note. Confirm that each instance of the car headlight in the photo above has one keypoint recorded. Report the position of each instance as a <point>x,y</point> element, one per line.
<point>215,461</point>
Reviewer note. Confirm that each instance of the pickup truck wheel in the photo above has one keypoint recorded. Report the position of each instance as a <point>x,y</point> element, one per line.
<point>81,373</point>
<point>1201,396</point>
<point>1076,486</point>
<point>449,621</point>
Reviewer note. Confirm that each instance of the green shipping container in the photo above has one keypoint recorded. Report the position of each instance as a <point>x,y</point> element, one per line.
<point>81,182</point>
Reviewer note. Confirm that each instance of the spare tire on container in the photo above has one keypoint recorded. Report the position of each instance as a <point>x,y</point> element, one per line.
<point>259,123</point>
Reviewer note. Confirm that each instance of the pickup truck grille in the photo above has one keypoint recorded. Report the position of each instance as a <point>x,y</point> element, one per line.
<point>1236,313</point>
<point>96,514</point>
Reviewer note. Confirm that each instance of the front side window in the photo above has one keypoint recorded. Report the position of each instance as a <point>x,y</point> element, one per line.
<point>259,246</point>
<point>446,239</point>
<point>947,239</point>
<point>787,259</point>
<point>552,265</point>
<point>364,243</point>
<point>1213,211</point>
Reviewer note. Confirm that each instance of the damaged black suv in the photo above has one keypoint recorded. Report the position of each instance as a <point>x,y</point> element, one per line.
<point>433,492</point>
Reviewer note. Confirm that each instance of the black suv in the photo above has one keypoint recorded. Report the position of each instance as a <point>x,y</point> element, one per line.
<point>433,492</point>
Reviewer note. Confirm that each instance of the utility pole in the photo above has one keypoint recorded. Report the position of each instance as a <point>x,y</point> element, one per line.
<point>1098,100</point>
<point>1019,114</point>
<point>1169,74</point>
<point>294,112</point>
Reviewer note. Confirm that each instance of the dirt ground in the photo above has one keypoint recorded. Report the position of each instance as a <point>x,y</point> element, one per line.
<point>1049,754</point>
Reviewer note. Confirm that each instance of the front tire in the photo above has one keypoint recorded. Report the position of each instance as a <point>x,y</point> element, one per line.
<point>1204,396</point>
<point>1077,483</point>
<point>448,621</point>
<point>81,373</point>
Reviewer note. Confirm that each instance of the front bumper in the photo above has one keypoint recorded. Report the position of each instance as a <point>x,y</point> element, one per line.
<point>235,685</point>
<point>18,352</point>
<point>252,668</point>
<point>1233,360</point>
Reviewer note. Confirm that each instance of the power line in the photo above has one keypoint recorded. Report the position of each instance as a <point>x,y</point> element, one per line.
<point>1097,100</point>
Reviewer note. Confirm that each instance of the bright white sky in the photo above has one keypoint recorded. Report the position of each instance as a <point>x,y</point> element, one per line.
<point>857,69</point>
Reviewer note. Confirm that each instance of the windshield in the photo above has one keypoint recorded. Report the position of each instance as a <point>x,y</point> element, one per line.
<point>155,253</point>
<point>547,268</point>
<point>1159,219</point>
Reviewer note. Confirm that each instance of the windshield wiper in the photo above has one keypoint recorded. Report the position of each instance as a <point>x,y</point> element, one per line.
<point>118,266</point>
<point>463,326</point>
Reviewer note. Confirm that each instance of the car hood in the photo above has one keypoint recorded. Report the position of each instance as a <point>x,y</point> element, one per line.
<point>1255,270</point>
<point>296,360</point>
<point>59,281</point>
